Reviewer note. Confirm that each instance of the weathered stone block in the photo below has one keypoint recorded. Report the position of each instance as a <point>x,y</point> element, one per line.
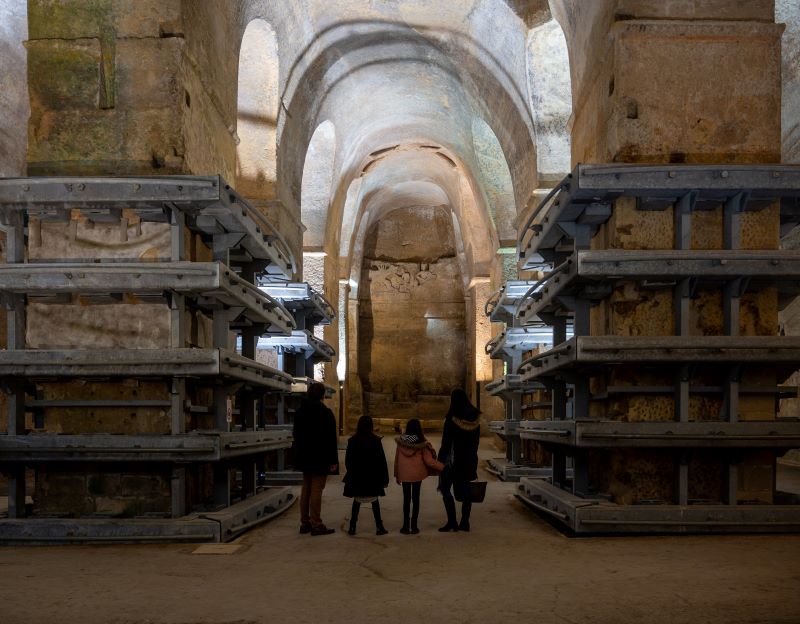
<point>70,135</point>
<point>64,74</point>
<point>148,73</point>
<point>71,19</point>
<point>725,109</point>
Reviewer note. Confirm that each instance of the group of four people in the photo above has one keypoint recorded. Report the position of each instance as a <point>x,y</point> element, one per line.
<point>367,473</point>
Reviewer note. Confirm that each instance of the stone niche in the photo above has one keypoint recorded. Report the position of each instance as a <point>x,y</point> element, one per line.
<point>412,338</point>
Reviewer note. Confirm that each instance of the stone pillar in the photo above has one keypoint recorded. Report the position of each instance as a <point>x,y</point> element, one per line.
<point>671,90</point>
<point>480,370</point>
<point>105,88</point>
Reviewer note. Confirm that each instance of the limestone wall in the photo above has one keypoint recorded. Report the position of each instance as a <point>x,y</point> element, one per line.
<point>104,80</point>
<point>412,337</point>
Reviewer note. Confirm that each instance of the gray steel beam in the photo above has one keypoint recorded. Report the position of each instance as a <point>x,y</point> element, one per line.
<point>103,447</point>
<point>207,284</point>
<point>595,516</point>
<point>179,363</point>
<point>662,434</point>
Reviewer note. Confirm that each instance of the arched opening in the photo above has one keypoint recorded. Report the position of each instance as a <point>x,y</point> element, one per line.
<point>315,190</point>
<point>496,180</point>
<point>257,112</point>
<point>550,94</point>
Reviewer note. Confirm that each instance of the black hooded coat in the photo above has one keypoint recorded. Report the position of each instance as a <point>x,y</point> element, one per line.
<point>367,472</point>
<point>314,431</point>
<point>461,436</point>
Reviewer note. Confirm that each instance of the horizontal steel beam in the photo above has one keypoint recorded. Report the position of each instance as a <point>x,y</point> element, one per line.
<point>663,434</point>
<point>518,340</point>
<point>585,270</point>
<point>190,447</point>
<point>511,384</point>
<point>302,298</point>
<point>210,284</point>
<point>100,363</point>
<point>585,196</point>
<point>238,518</point>
<point>108,531</point>
<point>593,516</point>
<point>583,351</point>
<point>301,341</point>
<point>211,205</point>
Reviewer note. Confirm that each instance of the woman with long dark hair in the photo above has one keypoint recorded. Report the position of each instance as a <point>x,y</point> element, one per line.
<point>367,473</point>
<point>459,452</point>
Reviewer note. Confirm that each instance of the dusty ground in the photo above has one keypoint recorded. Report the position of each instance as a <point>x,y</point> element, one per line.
<point>513,566</point>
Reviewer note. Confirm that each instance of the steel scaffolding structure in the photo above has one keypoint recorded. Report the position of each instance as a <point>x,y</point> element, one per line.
<point>705,427</point>
<point>215,396</point>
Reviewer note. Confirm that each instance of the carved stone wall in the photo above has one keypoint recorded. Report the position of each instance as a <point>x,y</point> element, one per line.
<point>411,348</point>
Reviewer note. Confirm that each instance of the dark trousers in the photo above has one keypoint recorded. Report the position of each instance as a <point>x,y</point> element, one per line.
<point>376,513</point>
<point>459,487</point>
<point>411,495</point>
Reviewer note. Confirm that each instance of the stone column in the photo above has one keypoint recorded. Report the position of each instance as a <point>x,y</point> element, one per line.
<point>481,366</point>
<point>680,90</point>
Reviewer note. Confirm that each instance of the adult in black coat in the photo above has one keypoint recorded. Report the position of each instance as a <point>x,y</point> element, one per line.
<point>316,456</point>
<point>367,473</point>
<point>459,452</point>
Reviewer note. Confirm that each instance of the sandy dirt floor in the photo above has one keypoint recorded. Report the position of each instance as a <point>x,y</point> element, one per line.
<point>512,567</point>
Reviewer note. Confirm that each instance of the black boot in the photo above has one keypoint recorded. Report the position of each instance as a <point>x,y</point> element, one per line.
<point>376,512</point>
<point>354,517</point>
<point>466,508</point>
<point>450,508</point>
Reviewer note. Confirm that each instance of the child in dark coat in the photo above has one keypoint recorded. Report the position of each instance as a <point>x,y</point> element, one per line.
<point>367,473</point>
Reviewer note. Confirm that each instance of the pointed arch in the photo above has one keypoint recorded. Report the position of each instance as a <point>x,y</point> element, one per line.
<point>550,92</point>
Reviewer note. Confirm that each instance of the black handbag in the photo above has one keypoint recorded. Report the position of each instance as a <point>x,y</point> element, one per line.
<point>477,490</point>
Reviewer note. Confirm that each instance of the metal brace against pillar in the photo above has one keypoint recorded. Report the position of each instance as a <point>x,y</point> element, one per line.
<point>222,244</point>
<point>249,481</point>
<point>732,482</point>
<point>178,492</point>
<point>683,220</point>
<point>15,321</point>
<point>682,478</point>
<point>177,401</point>
<point>682,392</point>
<point>15,405</point>
<point>559,410</point>
<point>177,219</point>
<point>16,491</point>
<point>221,322</point>
<point>222,484</point>
<point>732,213</point>
<point>177,320</point>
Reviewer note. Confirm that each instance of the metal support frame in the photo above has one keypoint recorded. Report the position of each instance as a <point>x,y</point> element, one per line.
<point>246,248</point>
<point>556,234</point>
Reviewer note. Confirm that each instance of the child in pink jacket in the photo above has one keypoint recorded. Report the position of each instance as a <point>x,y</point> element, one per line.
<point>414,460</point>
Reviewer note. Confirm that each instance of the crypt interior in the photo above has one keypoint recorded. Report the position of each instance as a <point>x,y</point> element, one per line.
<point>400,155</point>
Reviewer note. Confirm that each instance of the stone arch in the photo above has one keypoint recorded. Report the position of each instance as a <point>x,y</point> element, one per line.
<point>257,112</point>
<point>496,180</point>
<point>316,186</point>
<point>550,92</point>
